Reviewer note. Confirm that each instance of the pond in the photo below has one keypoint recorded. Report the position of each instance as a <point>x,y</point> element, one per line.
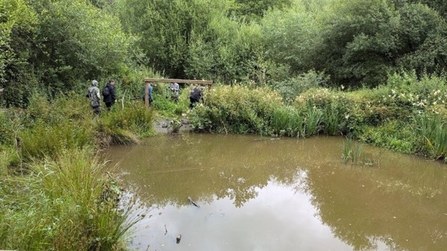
<point>261,193</point>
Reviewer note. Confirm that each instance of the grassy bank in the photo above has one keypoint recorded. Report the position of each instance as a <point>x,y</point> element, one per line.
<point>55,192</point>
<point>406,114</point>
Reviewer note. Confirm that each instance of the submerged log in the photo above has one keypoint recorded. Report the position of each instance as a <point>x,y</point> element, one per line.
<point>193,202</point>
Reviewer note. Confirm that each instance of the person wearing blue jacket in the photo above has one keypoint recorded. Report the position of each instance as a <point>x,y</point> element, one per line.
<point>149,90</point>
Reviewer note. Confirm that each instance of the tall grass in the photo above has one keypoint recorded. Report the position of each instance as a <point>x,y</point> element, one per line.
<point>333,119</point>
<point>61,206</point>
<point>432,134</point>
<point>65,201</point>
<point>351,151</point>
<point>125,125</point>
<point>48,140</point>
<point>312,122</point>
<point>287,121</point>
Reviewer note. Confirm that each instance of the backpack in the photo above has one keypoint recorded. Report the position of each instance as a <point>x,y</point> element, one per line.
<point>105,91</point>
<point>94,102</point>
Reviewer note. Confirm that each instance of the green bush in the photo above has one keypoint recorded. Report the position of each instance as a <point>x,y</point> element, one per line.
<point>291,88</point>
<point>165,107</point>
<point>236,109</point>
<point>395,135</point>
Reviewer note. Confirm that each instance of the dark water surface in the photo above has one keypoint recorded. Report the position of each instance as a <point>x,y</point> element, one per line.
<point>258,193</point>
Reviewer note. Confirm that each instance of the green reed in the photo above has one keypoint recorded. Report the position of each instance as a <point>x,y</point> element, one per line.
<point>432,133</point>
<point>286,121</point>
<point>312,122</point>
<point>332,118</point>
<point>351,151</point>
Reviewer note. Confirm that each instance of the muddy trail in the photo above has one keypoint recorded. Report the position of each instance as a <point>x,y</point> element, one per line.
<point>164,125</point>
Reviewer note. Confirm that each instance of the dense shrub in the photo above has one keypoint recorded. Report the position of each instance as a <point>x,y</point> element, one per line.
<point>405,115</point>
<point>236,109</point>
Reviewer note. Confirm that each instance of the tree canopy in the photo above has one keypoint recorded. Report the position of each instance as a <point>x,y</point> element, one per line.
<point>58,45</point>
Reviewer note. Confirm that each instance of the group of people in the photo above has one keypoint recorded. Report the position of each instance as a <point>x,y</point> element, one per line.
<point>172,92</point>
<point>94,96</point>
<point>108,94</point>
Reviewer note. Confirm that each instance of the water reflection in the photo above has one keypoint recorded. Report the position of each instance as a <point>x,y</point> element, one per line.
<point>267,194</point>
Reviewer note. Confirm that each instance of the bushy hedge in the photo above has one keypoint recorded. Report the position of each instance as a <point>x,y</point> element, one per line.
<point>236,109</point>
<point>407,114</point>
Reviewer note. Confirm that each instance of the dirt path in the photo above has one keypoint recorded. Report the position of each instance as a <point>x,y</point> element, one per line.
<point>161,125</point>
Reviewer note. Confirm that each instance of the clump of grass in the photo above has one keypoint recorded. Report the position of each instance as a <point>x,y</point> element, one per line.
<point>50,139</point>
<point>61,206</point>
<point>286,121</point>
<point>312,122</point>
<point>432,135</point>
<point>352,152</point>
<point>174,125</point>
<point>126,125</point>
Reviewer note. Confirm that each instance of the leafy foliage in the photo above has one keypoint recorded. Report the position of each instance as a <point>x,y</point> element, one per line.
<point>58,46</point>
<point>255,9</point>
<point>370,38</point>
<point>75,40</point>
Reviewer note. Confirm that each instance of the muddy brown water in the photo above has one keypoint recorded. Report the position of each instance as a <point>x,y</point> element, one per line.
<point>261,193</point>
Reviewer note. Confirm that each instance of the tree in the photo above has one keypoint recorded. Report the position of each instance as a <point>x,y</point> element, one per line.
<point>360,43</point>
<point>439,6</point>
<point>17,24</point>
<point>367,39</point>
<point>170,30</point>
<point>76,42</point>
<point>291,36</point>
<point>255,9</point>
<point>227,51</point>
<point>422,36</point>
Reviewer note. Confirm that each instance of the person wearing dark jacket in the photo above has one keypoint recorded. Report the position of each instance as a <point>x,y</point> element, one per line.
<point>195,96</point>
<point>109,94</point>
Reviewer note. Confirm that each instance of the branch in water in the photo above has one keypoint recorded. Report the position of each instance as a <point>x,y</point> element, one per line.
<point>193,202</point>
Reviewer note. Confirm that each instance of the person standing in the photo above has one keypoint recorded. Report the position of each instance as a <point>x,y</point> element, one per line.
<point>109,94</point>
<point>149,92</point>
<point>195,96</point>
<point>94,98</point>
<point>175,89</point>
